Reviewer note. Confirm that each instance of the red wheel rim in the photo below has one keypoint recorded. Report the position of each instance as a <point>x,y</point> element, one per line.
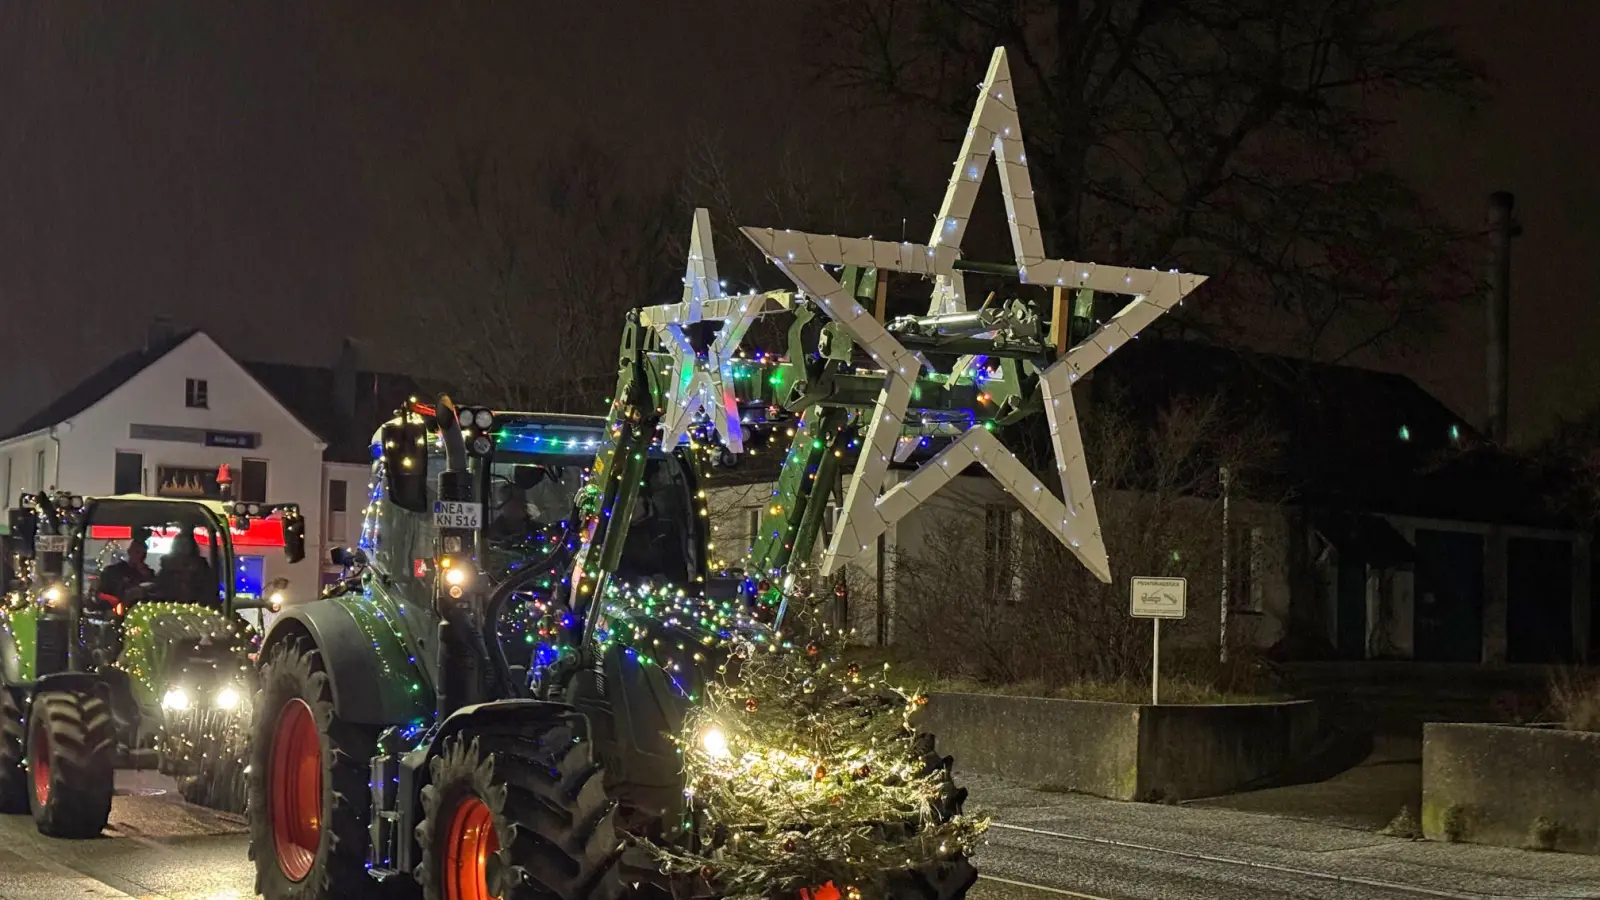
<point>294,789</point>
<point>468,846</point>
<point>41,763</point>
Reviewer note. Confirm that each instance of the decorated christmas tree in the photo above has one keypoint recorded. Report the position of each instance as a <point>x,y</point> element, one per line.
<point>806,775</point>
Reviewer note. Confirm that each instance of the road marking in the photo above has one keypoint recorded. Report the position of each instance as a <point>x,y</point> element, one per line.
<point>1060,892</point>
<point>1271,867</point>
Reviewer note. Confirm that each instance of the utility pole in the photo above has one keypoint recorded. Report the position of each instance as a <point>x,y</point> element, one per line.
<point>1222,633</point>
<point>1502,228</point>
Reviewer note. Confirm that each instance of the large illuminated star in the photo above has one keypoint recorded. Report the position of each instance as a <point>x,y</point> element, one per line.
<point>868,510</point>
<point>705,384</point>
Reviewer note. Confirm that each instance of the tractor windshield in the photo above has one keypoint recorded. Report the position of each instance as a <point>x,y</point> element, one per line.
<point>530,507</point>
<point>142,553</point>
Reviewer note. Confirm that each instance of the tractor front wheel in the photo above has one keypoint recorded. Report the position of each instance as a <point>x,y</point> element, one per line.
<point>13,754</point>
<point>519,816</point>
<point>947,879</point>
<point>71,764</point>
<point>308,784</point>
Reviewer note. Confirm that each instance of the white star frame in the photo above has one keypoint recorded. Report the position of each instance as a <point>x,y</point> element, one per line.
<point>705,386</point>
<point>868,510</point>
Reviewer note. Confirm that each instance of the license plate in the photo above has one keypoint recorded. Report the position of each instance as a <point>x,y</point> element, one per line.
<point>50,543</point>
<point>457,514</point>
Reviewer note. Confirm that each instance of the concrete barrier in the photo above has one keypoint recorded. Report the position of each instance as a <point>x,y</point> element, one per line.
<point>1511,786</point>
<point>1124,751</point>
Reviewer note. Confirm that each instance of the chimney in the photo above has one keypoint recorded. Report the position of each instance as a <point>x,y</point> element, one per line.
<point>1502,227</point>
<point>159,332</point>
<point>344,379</point>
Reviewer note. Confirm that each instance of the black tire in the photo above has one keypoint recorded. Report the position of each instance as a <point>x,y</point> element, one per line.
<point>13,755</point>
<point>71,735</point>
<point>951,878</point>
<point>946,880</point>
<point>951,798</point>
<point>221,785</point>
<point>217,780</point>
<point>295,672</point>
<point>551,814</point>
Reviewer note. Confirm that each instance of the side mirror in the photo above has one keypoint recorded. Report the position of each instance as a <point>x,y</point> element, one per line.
<point>348,557</point>
<point>23,526</point>
<point>9,579</point>
<point>405,463</point>
<point>294,536</point>
<point>724,587</point>
<point>273,595</point>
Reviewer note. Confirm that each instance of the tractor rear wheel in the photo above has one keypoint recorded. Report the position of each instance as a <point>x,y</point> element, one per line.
<point>308,784</point>
<point>71,763</point>
<point>947,879</point>
<point>518,816</point>
<point>13,754</point>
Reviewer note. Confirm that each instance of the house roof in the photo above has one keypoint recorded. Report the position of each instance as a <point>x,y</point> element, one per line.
<point>307,392</point>
<point>1353,439</point>
<point>95,388</point>
<point>310,393</point>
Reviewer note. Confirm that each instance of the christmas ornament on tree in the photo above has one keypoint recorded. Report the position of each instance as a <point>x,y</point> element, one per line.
<point>812,777</point>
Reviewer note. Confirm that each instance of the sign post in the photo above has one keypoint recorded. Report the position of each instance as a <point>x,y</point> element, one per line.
<point>1156,599</point>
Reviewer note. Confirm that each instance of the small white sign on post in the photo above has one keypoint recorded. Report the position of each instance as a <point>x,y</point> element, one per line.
<point>1156,599</point>
<point>1159,598</point>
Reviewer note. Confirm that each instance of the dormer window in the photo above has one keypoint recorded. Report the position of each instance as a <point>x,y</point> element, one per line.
<point>194,393</point>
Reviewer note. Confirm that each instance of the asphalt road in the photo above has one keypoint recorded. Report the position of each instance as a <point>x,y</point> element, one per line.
<point>158,848</point>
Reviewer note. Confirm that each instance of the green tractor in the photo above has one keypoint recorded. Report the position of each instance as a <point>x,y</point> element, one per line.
<point>123,645</point>
<point>459,714</point>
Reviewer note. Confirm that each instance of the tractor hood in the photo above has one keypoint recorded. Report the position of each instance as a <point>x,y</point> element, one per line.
<point>160,639</point>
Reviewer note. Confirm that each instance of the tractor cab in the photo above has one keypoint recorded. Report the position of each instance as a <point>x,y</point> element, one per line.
<point>526,477</point>
<point>204,552</point>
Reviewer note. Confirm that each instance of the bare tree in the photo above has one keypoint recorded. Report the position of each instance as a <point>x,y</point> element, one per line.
<point>520,280</point>
<point>796,193</point>
<point>1235,137</point>
<point>1569,462</point>
<point>1045,619</point>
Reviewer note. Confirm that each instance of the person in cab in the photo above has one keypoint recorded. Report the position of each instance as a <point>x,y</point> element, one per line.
<point>186,576</point>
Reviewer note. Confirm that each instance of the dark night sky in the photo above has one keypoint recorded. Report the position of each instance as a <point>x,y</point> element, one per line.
<point>235,165</point>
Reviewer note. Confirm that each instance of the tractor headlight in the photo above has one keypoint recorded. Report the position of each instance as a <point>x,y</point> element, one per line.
<point>176,699</point>
<point>455,576</point>
<point>714,742</point>
<point>276,599</point>
<point>228,698</point>
<point>54,596</point>
<point>483,418</point>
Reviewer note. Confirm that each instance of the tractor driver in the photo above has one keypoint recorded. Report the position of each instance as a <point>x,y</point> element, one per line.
<point>185,575</point>
<point>511,522</point>
<point>517,517</point>
<point>120,578</point>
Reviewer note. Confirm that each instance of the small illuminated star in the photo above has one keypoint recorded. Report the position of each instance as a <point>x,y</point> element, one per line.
<point>705,384</point>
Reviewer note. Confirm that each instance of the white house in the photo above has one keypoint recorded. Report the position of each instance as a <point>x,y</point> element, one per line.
<point>161,420</point>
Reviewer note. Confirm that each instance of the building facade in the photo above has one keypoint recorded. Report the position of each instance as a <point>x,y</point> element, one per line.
<point>164,419</point>
<point>162,422</point>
